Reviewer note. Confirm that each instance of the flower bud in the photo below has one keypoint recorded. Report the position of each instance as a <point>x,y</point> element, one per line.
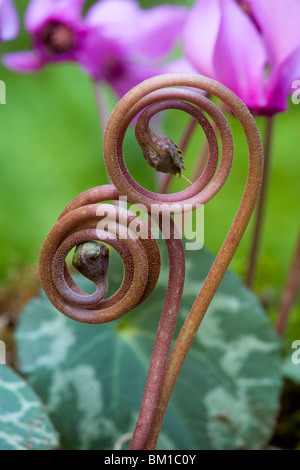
<point>91,259</point>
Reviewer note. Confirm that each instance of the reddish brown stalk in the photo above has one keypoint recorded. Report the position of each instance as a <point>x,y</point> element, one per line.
<point>202,160</point>
<point>290,292</point>
<point>220,265</point>
<point>261,205</point>
<point>162,343</point>
<point>79,223</point>
<point>204,189</point>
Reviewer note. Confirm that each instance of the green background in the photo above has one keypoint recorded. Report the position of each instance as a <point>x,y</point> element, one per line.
<point>51,149</point>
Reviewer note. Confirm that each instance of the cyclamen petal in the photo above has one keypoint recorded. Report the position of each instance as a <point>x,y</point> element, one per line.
<point>134,74</point>
<point>239,56</point>
<point>115,19</point>
<point>158,30</point>
<point>249,45</point>
<point>279,23</point>
<point>282,79</point>
<point>126,39</point>
<point>200,35</point>
<point>25,62</point>
<point>113,12</point>
<point>180,65</point>
<point>40,11</point>
<point>117,41</point>
<point>9,20</point>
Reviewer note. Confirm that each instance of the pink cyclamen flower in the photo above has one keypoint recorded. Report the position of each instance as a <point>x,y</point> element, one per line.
<point>128,43</point>
<point>9,20</point>
<point>251,46</point>
<point>57,33</point>
<point>117,41</point>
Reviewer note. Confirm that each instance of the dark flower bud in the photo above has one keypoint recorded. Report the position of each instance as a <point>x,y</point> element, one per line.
<point>162,153</point>
<point>91,259</point>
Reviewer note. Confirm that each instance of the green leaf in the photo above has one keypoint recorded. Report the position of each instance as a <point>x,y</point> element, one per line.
<point>24,424</point>
<point>92,377</point>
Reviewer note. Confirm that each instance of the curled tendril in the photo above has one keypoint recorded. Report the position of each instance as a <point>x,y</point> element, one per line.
<point>78,223</point>
<point>78,226</point>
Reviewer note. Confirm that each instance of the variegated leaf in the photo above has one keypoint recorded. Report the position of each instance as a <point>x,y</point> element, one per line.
<point>92,377</point>
<point>24,424</point>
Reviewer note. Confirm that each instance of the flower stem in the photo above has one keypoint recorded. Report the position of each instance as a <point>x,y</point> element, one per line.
<point>290,291</point>
<point>214,277</point>
<point>203,157</point>
<point>261,205</point>
<point>153,94</point>
<point>102,106</point>
<point>162,343</point>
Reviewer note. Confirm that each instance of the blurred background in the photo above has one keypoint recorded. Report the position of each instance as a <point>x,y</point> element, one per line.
<point>51,148</point>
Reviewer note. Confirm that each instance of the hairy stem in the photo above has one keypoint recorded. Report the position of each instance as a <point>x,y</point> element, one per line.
<point>150,93</point>
<point>81,223</point>
<point>290,292</point>
<point>162,343</point>
<point>216,273</point>
<point>261,205</point>
<point>102,107</point>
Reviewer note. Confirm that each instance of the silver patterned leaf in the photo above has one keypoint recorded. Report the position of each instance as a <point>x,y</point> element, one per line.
<point>24,424</point>
<point>92,377</point>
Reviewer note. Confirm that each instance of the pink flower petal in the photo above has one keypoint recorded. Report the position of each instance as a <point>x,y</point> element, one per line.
<point>240,57</point>
<point>158,29</point>
<point>100,57</point>
<point>200,35</point>
<point>150,33</point>
<point>117,19</point>
<point>37,12</point>
<point>107,60</point>
<point>9,20</point>
<point>282,80</point>
<point>23,61</point>
<point>279,21</point>
<point>133,75</point>
<point>40,11</point>
<point>180,65</point>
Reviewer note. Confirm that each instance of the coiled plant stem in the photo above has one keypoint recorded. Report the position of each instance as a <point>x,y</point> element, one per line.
<point>201,191</point>
<point>219,268</point>
<point>79,223</point>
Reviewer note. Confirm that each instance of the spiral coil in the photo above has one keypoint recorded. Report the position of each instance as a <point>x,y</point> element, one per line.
<point>79,223</point>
